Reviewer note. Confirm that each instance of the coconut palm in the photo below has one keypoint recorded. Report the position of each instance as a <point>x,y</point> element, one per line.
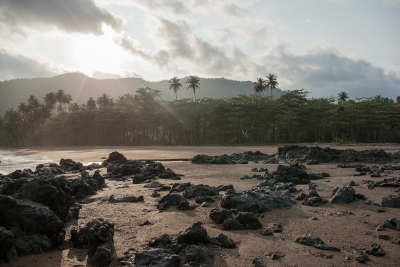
<point>342,97</point>
<point>271,83</point>
<point>194,83</point>
<point>259,86</point>
<point>174,84</point>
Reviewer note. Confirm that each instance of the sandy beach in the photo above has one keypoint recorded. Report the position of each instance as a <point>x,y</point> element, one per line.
<point>350,227</point>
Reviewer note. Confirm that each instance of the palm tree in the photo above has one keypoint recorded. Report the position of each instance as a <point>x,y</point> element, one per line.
<point>50,101</point>
<point>104,100</point>
<point>342,97</point>
<point>259,86</point>
<point>194,83</point>
<point>271,83</point>
<point>60,98</point>
<point>174,84</point>
<point>91,104</point>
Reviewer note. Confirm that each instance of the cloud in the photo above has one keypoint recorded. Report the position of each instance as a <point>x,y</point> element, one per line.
<point>132,46</point>
<point>14,66</point>
<point>72,16</point>
<point>326,72</point>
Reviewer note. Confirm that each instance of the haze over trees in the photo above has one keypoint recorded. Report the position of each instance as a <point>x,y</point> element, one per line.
<point>144,118</point>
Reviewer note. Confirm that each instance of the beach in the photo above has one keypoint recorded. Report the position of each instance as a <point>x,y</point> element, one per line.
<point>350,227</point>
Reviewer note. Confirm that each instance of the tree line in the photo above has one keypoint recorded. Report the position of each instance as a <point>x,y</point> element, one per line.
<point>146,119</point>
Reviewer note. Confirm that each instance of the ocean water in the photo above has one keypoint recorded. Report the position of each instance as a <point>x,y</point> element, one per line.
<point>11,162</point>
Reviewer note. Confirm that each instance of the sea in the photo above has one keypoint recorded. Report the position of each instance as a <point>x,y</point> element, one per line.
<point>10,162</point>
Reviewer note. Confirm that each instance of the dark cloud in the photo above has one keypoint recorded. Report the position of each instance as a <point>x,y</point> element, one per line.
<point>74,16</point>
<point>326,72</point>
<point>127,44</point>
<point>14,66</point>
<point>177,37</point>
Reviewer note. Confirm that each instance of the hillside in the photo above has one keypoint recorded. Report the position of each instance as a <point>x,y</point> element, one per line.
<point>82,87</point>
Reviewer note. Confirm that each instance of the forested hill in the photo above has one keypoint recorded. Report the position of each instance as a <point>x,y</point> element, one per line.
<point>82,87</point>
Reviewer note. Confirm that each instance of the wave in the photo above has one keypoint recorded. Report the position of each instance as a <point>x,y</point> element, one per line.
<point>11,162</point>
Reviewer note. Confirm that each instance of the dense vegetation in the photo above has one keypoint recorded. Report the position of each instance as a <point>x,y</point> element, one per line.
<point>146,119</point>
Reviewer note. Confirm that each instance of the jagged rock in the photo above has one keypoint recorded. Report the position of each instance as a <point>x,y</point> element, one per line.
<point>70,165</point>
<point>180,187</point>
<point>153,257</point>
<point>161,241</point>
<point>197,256</point>
<point>202,199</point>
<point>169,200</point>
<point>98,236</point>
<point>267,232</point>
<point>184,205</point>
<point>225,187</point>
<point>31,217</point>
<point>392,201</point>
<point>168,173</point>
<point>138,178</point>
<point>219,216</point>
<point>362,258</point>
<point>200,190</point>
<point>53,193</point>
<point>249,220</point>
<point>392,223</point>
<point>257,201</point>
<point>258,263</point>
<point>344,195</point>
<point>375,250</point>
<point>7,249</point>
<point>313,241</point>
<point>223,241</point>
<point>194,234</point>
<point>116,157</point>
<point>115,198</point>
<point>384,237</point>
<point>232,224</point>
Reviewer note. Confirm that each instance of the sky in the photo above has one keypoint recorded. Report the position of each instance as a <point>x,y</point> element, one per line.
<point>322,46</point>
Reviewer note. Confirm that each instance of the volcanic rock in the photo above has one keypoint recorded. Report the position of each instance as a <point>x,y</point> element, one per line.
<point>257,201</point>
<point>153,257</point>
<point>375,250</point>
<point>169,200</point>
<point>194,234</point>
<point>314,241</point>
<point>392,201</point>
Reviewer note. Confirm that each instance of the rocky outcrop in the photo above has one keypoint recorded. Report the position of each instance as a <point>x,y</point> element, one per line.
<point>97,236</point>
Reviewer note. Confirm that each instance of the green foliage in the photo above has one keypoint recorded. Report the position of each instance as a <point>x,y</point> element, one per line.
<point>145,119</point>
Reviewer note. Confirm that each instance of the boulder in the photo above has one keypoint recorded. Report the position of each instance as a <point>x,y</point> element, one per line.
<point>7,249</point>
<point>219,216</point>
<point>169,200</point>
<point>392,201</point>
<point>200,190</point>
<point>375,250</point>
<point>194,234</point>
<point>194,255</point>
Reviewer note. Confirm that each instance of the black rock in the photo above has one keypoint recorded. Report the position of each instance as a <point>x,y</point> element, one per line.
<point>153,257</point>
<point>7,249</point>
<point>223,241</point>
<point>194,255</point>
<point>375,250</point>
<point>184,205</point>
<point>200,190</point>
<point>258,263</point>
<point>392,201</point>
<point>232,224</point>
<point>218,216</point>
<point>316,242</point>
<point>194,234</point>
<point>161,241</point>
<point>169,200</point>
<point>344,195</point>
<point>249,220</point>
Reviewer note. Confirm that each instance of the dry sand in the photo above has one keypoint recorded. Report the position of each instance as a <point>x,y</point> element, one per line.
<point>351,233</point>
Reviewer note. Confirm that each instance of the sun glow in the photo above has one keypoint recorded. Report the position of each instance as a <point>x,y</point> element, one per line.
<point>97,53</point>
